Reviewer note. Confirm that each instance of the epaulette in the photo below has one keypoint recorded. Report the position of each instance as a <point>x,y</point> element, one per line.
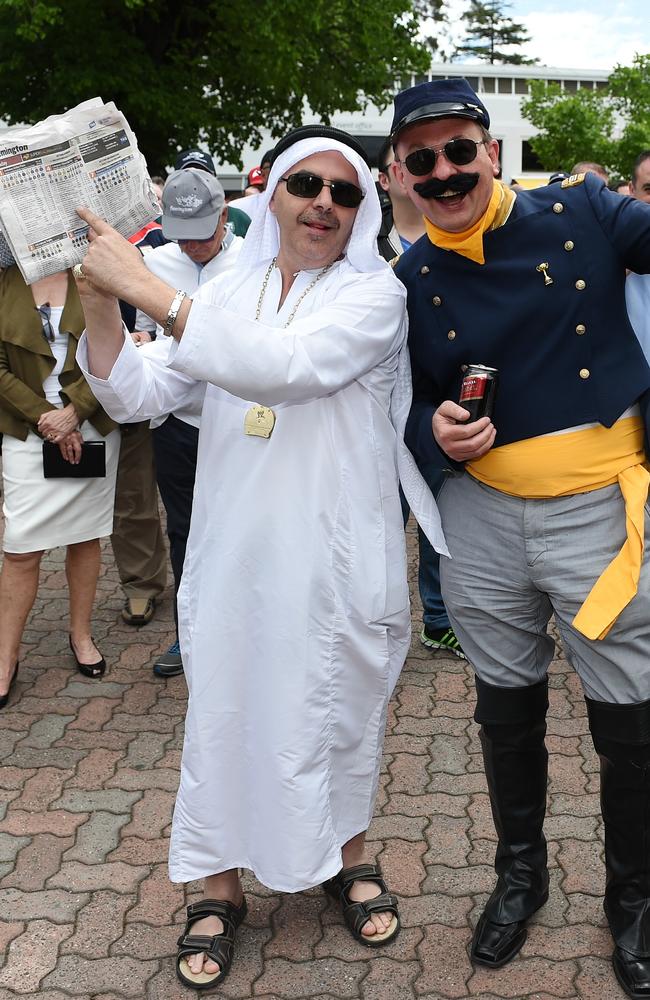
<point>394,261</point>
<point>573,180</point>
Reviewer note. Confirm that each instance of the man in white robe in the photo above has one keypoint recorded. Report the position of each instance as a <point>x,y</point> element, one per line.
<point>293,607</point>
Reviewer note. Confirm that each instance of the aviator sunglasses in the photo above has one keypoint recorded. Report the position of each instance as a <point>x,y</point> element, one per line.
<point>458,151</point>
<point>310,186</point>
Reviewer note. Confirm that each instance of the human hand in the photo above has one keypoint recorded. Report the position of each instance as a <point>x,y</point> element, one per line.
<point>140,337</point>
<point>70,447</point>
<point>112,264</point>
<point>460,440</point>
<point>56,424</point>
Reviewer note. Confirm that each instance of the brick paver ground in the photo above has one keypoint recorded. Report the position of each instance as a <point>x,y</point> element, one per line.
<point>86,792</point>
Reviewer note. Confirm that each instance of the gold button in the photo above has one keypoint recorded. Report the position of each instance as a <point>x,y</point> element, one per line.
<point>558,207</point>
<point>580,329</point>
<point>437,301</point>
<point>569,245</point>
<point>584,373</point>
<point>580,284</point>
<point>451,335</point>
<point>424,269</point>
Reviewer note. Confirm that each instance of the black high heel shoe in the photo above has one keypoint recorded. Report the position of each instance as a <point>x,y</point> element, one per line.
<point>92,670</point>
<point>4,698</point>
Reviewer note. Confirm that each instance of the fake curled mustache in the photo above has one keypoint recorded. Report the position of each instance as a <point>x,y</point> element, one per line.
<point>459,183</point>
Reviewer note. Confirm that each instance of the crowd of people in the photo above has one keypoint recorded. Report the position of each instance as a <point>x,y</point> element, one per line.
<point>291,392</point>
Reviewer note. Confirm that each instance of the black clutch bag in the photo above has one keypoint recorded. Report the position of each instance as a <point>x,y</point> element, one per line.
<point>92,464</point>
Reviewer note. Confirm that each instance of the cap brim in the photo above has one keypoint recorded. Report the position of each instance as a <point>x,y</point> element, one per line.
<point>198,165</point>
<point>190,229</point>
<point>438,111</point>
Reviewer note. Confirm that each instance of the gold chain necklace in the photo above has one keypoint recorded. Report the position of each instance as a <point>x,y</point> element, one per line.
<point>259,420</point>
<point>306,291</point>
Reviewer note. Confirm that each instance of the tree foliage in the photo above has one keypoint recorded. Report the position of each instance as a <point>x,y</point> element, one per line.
<point>435,27</point>
<point>204,70</point>
<point>629,93</point>
<point>489,32</point>
<point>571,127</point>
<point>610,126</point>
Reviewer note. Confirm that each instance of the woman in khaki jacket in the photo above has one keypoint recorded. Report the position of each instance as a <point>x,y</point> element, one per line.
<point>44,397</point>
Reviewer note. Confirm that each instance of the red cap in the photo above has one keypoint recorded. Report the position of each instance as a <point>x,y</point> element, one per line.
<point>255,177</point>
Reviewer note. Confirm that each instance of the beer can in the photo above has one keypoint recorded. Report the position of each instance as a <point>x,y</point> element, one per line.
<point>478,391</point>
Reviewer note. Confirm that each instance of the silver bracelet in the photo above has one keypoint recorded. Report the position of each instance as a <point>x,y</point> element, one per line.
<point>174,309</point>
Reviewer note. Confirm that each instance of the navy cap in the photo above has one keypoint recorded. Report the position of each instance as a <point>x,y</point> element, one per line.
<point>195,158</point>
<point>437,99</point>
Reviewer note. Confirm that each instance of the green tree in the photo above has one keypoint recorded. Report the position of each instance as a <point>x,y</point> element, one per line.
<point>435,28</point>
<point>204,70</point>
<point>610,126</point>
<point>629,93</point>
<point>571,127</point>
<point>489,32</point>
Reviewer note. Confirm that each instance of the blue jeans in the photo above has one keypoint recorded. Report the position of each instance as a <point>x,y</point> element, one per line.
<point>434,612</point>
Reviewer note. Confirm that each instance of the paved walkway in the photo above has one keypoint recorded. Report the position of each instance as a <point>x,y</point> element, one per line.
<point>87,788</point>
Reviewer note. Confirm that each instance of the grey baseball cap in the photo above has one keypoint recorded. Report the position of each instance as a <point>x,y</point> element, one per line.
<point>193,201</point>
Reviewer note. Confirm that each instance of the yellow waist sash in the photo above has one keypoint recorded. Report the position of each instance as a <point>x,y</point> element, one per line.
<point>577,462</point>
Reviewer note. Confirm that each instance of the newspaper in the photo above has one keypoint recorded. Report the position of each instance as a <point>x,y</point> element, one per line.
<point>87,157</point>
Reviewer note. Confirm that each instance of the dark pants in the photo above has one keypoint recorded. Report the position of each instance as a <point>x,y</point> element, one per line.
<point>175,446</point>
<point>434,613</point>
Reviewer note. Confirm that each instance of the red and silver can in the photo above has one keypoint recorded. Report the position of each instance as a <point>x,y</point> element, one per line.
<point>478,391</point>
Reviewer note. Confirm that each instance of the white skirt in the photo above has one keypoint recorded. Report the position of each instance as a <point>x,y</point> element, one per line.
<point>45,513</point>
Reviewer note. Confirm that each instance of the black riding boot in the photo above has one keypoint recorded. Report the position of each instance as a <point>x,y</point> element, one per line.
<point>513,727</point>
<point>621,735</point>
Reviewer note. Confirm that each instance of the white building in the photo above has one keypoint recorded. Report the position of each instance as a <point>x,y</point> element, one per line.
<point>502,89</point>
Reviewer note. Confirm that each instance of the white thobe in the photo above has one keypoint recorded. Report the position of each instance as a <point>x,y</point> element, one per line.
<point>637,299</point>
<point>293,608</point>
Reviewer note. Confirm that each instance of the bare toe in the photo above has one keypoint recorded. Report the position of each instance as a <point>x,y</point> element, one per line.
<point>195,963</point>
<point>199,963</point>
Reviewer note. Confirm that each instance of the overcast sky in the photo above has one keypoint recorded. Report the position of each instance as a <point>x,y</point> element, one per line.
<point>596,34</point>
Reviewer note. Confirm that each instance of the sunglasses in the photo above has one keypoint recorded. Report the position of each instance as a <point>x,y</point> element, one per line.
<point>310,186</point>
<point>45,313</point>
<point>458,151</point>
<point>206,239</point>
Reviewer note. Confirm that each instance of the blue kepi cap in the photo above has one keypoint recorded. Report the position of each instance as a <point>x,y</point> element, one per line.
<point>437,99</point>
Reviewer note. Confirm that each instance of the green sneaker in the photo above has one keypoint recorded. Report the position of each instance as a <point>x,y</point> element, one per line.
<point>442,638</point>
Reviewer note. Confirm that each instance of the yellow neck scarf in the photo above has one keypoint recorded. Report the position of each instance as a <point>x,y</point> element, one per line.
<point>470,242</point>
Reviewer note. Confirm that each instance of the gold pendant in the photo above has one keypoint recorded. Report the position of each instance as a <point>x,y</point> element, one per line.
<point>259,421</point>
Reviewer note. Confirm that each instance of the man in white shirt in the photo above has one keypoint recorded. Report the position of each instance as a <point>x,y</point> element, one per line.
<point>195,217</point>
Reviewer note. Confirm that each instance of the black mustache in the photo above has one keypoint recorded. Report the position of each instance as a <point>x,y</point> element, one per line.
<point>460,183</point>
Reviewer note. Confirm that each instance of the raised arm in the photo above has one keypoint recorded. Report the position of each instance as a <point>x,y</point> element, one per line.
<point>114,269</point>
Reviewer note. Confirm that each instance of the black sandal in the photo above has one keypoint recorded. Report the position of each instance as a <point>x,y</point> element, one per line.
<point>356,914</point>
<point>218,948</point>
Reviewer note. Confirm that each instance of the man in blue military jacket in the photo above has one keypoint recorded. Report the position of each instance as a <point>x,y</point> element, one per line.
<point>546,513</point>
